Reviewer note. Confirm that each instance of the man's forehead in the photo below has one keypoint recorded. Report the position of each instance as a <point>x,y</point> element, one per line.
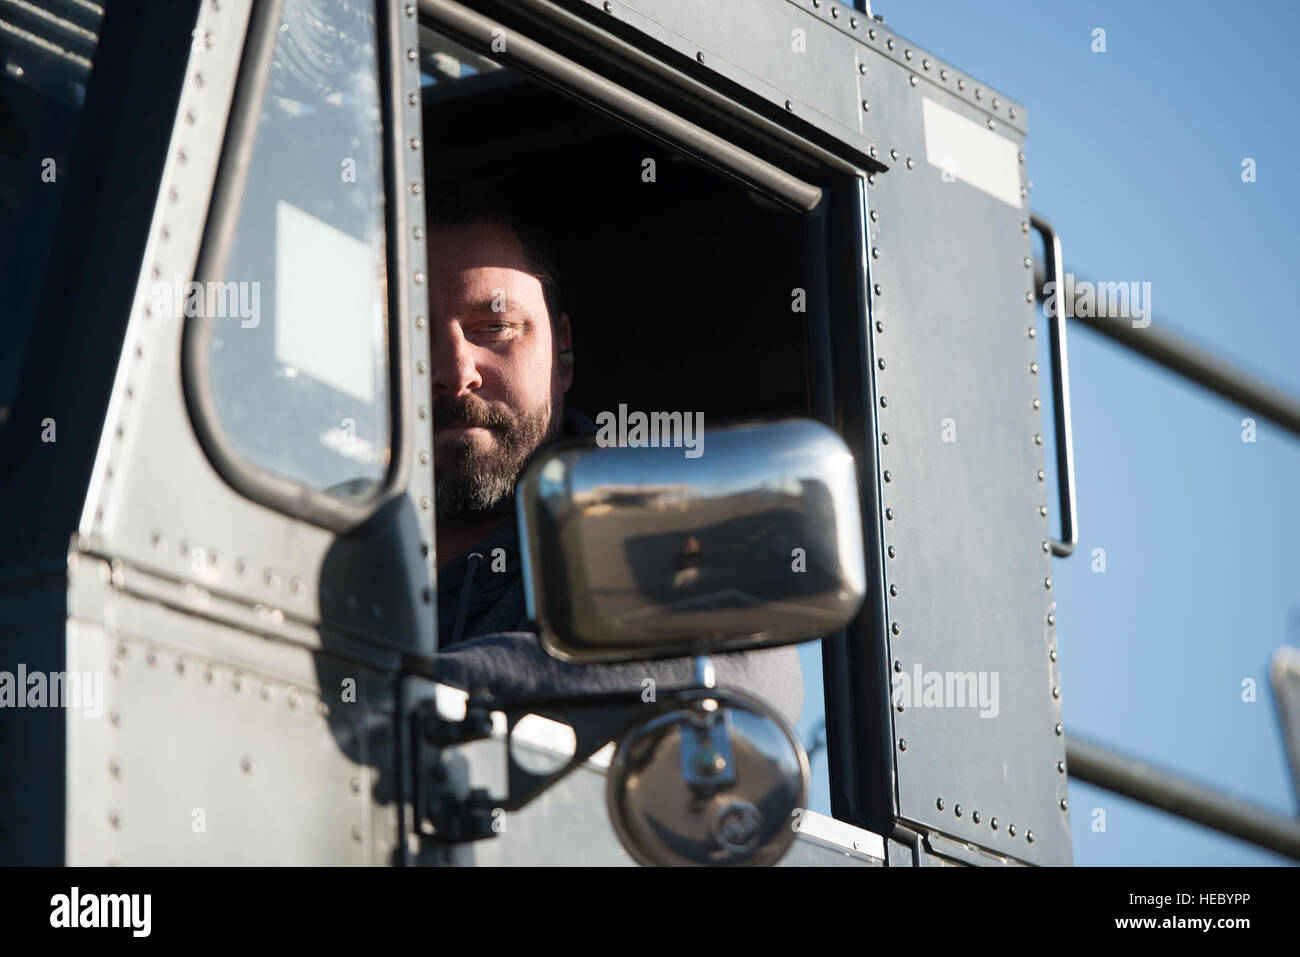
<point>474,246</point>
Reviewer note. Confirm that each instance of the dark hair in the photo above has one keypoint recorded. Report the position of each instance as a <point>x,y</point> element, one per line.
<point>454,204</point>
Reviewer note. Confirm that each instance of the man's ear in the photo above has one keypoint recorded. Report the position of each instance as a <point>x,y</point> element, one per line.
<point>564,351</point>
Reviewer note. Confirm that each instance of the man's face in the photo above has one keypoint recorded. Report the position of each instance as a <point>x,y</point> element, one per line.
<point>498,389</point>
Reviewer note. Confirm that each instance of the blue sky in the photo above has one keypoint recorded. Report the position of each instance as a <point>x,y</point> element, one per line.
<point>1136,158</point>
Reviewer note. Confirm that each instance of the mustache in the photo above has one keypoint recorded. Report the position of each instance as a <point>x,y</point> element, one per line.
<point>450,411</point>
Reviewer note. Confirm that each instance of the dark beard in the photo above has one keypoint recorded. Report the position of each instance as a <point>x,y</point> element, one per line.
<point>472,482</point>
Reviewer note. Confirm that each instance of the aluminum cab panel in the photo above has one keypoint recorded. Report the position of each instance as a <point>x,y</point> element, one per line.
<point>968,582</point>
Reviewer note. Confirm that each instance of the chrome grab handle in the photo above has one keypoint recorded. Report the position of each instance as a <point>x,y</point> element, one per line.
<point>1060,393</point>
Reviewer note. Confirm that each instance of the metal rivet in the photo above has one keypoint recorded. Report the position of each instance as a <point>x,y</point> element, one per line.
<point>1033,368</point>
<point>789,105</point>
<point>1056,691</point>
<point>1051,619</point>
<point>895,628</point>
<point>424,458</point>
<point>889,514</point>
<point>884,402</point>
<point>417,232</point>
<point>912,80</point>
<point>902,744</point>
<point>1041,476</point>
<point>975,816</point>
<point>943,74</point>
<point>412,54</point>
<point>910,164</point>
<point>1059,730</point>
<point>410,9</point>
<point>1052,654</point>
<point>874,215</point>
<point>880,326</point>
<point>1047,583</point>
<point>1036,403</point>
<point>884,438</point>
<point>993,823</point>
<point>150,657</point>
<point>1042,510</point>
<point>898,665</point>
<point>699,56</point>
<point>877,289</point>
<point>893,591</point>
<point>1060,767</point>
<point>939,803</point>
<point>1012,112</point>
<point>609,7</point>
<point>957,810</point>
<point>995,102</point>
<point>1038,438</point>
<point>891,551</point>
<point>835,12</point>
<point>889,477</point>
<point>295,585</point>
<point>907,54</point>
<point>875,252</point>
<point>889,43</point>
<point>991,125</point>
<point>418,278</point>
<point>1012,830</point>
<point>421,367</point>
<point>114,819</point>
<point>356,832</point>
<point>872,33</point>
<point>412,99</point>
<point>961,84</point>
<point>423,412</point>
<point>356,785</point>
<point>266,692</point>
<point>893,154</point>
<point>1024,227</point>
<point>425,503</point>
<point>246,765</point>
<point>1031,332</point>
<point>871,177</point>
<point>419,322</point>
<point>853,22</point>
<point>866,106</point>
<point>1029,836</point>
<point>979,93</point>
<point>1029,297</point>
<point>862,68</point>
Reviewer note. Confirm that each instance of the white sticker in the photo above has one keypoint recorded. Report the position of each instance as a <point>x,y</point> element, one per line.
<point>965,151</point>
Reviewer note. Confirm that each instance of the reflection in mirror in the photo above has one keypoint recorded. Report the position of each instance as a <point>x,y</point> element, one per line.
<point>630,552</point>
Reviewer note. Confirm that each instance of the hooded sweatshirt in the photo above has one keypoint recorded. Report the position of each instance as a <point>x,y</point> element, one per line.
<point>484,639</point>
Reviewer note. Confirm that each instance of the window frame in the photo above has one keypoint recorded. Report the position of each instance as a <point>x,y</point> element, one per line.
<point>829,192</point>
<point>279,492</point>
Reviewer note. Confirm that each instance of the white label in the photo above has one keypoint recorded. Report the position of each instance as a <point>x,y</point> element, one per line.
<point>968,152</point>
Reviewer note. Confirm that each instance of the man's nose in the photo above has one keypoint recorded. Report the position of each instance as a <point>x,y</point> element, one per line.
<point>454,369</point>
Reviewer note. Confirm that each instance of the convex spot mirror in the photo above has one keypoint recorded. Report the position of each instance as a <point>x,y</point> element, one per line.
<point>642,552</point>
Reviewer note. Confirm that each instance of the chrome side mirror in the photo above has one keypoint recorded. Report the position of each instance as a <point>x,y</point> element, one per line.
<point>634,553</point>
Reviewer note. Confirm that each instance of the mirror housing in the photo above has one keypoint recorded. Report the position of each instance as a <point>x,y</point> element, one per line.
<point>634,553</point>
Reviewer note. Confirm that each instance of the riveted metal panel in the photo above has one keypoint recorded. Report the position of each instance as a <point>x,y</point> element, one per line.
<point>217,746</point>
<point>815,60</point>
<point>967,568</point>
<point>156,501</point>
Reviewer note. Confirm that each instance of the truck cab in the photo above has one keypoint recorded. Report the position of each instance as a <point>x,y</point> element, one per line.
<point>215,443</point>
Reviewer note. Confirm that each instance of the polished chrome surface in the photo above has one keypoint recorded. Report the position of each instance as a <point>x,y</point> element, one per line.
<point>647,552</point>
<point>714,778</point>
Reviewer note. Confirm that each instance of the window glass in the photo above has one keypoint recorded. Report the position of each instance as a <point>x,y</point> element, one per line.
<point>45,59</point>
<point>298,355</point>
